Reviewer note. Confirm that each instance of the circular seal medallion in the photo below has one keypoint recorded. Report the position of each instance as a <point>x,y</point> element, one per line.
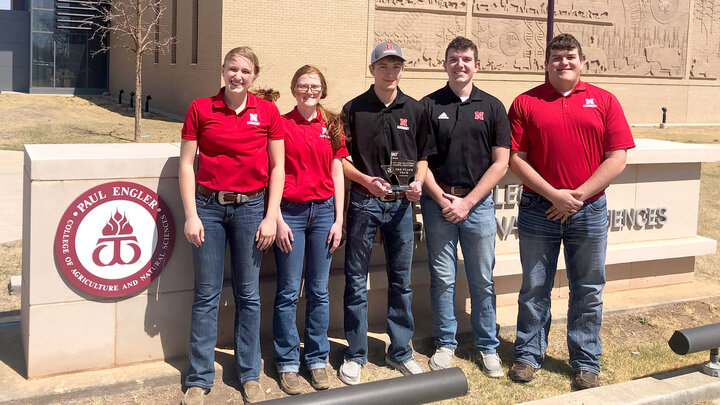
<point>510,42</point>
<point>664,10</point>
<point>114,239</point>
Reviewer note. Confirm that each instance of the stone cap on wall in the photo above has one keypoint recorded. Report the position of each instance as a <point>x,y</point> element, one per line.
<point>138,160</point>
<point>101,161</point>
<point>648,151</point>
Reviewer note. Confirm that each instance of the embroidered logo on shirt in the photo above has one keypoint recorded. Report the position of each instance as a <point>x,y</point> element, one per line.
<point>253,120</point>
<point>589,102</point>
<point>403,124</point>
<point>324,133</point>
<point>443,116</point>
<point>480,115</point>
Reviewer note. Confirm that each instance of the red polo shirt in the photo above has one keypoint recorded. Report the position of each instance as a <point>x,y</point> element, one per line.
<point>308,158</point>
<point>232,147</point>
<point>566,137</point>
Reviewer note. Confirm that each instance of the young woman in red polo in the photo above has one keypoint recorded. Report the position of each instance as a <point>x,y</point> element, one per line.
<point>309,229</point>
<point>238,139</point>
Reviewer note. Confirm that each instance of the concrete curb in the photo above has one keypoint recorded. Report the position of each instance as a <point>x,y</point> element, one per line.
<point>686,386</point>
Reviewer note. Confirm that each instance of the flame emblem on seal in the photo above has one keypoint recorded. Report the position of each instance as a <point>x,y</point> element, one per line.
<point>118,233</point>
<point>117,225</point>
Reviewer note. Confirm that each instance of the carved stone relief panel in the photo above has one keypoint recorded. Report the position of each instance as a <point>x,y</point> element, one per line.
<point>705,43</point>
<point>646,38</point>
<point>423,36</point>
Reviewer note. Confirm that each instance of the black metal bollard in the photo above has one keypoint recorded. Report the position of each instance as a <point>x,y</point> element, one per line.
<point>132,99</point>
<point>693,340</point>
<point>409,390</point>
<point>120,93</point>
<point>664,110</point>
<point>147,103</point>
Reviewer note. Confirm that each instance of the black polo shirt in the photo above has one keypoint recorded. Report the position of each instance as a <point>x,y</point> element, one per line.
<point>465,133</point>
<point>376,130</point>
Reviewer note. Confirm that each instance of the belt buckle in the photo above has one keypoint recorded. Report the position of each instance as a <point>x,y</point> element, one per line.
<point>239,198</point>
<point>452,190</point>
<point>392,196</point>
<point>221,197</point>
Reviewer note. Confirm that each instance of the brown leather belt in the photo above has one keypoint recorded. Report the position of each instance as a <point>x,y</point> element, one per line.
<point>393,196</point>
<point>229,197</point>
<point>454,190</point>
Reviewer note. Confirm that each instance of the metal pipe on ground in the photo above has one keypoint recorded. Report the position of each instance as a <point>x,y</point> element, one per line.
<point>408,390</point>
<point>698,339</point>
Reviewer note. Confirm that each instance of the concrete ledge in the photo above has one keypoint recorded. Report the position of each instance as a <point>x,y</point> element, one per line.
<point>133,160</point>
<point>655,151</point>
<point>687,386</point>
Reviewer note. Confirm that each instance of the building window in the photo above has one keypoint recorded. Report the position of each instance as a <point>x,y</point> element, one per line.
<point>194,57</point>
<point>47,4</point>
<point>173,44</point>
<point>61,48</point>
<point>5,5</point>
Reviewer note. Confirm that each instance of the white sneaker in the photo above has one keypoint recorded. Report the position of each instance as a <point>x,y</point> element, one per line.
<point>408,367</point>
<point>491,365</point>
<point>350,372</point>
<point>441,359</point>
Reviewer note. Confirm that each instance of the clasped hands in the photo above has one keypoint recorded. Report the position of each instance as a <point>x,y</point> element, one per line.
<point>565,203</point>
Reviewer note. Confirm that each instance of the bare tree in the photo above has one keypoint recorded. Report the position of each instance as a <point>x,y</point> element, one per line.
<point>133,25</point>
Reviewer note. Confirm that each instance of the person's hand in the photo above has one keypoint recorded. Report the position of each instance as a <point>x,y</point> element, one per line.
<point>378,187</point>
<point>565,203</point>
<point>265,235</point>
<point>415,191</point>
<point>334,236</point>
<point>284,237</point>
<point>194,231</point>
<point>457,210</point>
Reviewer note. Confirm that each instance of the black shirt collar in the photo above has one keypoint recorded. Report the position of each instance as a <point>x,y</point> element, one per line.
<point>400,98</point>
<point>475,94</point>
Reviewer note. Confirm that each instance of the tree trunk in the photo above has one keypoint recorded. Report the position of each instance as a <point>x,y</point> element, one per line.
<point>138,97</point>
<point>138,74</point>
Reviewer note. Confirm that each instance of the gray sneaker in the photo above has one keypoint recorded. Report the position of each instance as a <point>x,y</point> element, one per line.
<point>408,367</point>
<point>491,365</point>
<point>350,372</point>
<point>441,359</point>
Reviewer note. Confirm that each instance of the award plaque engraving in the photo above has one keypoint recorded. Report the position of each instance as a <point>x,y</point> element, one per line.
<point>401,169</point>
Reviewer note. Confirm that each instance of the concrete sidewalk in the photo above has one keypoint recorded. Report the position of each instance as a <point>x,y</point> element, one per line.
<point>687,386</point>
<point>11,177</point>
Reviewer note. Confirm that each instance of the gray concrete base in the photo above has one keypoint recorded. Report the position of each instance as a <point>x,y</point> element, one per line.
<point>686,386</point>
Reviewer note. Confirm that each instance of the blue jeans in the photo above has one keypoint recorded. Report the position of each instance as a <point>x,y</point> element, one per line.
<point>477,239</point>
<point>236,224</point>
<point>584,237</point>
<point>310,224</point>
<point>394,218</point>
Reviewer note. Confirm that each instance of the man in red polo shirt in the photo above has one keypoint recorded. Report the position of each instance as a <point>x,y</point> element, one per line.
<point>569,141</point>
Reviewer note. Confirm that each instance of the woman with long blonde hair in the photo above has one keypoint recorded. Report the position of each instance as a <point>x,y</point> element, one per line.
<point>238,138</point>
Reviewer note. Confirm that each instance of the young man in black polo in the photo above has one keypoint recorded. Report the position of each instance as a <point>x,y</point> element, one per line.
<point>472,134</point>
<point>382,122</point>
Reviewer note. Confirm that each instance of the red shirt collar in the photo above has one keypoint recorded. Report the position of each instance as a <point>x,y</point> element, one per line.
<point>549,89</point>
<point>218,101</point>
<point>299,119</point>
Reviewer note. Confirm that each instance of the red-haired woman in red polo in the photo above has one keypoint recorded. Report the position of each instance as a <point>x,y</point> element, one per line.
<point>309,229</point>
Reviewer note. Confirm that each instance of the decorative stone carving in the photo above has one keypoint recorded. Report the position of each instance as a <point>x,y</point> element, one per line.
<point>619,37</point>
<point>705,45</point>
